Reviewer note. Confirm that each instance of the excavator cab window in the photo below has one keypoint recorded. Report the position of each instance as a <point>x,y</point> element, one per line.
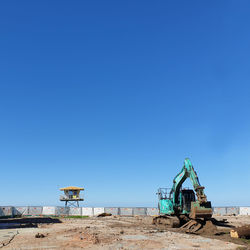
<point>164,193</point>
<point>188,196</point>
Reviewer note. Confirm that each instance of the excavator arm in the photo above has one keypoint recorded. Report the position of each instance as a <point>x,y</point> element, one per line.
<point>187,172</point>
<point>200,208</point>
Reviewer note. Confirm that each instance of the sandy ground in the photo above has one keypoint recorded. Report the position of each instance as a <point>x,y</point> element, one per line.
<point>119,233</point>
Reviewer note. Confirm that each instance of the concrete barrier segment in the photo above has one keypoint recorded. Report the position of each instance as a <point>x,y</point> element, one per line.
<point>21,211</point>
<point>232,210</point>
<point>77,211</point>
<point>151,211</point>
<point>35,211</point>
<point>87,211</point>
<point>62,211</point>
<point>6,211</point>
<point>112,210</point>
<point>219,211</point>
<point>139,211</point>
<point>98,210</point>
<point>126,211</point>
<point>244,211</point>
<point>49,211</point>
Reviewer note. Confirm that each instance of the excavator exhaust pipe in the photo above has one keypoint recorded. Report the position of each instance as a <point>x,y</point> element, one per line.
<point>201,210</point>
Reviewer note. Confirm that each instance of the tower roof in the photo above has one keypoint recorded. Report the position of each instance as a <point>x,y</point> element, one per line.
<point>71,188</point>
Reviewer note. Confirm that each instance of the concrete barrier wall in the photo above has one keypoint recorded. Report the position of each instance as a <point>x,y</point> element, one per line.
<point>226,211</point>
<point>94,211</point>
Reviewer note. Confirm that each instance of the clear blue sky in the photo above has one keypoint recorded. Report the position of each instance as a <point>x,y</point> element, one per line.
<point>113,95</point>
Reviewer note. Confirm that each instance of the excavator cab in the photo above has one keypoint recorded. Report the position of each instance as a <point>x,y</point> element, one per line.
<point>188,196</point>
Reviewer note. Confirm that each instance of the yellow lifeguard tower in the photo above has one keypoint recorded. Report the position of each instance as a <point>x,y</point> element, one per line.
<point>71,196</point>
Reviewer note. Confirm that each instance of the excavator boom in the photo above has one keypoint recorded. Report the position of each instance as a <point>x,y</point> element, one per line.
<point>200,208</point>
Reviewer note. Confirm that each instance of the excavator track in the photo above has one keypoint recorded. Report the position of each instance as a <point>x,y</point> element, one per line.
<point>186,224</point>
<point>167,221</point>
<point>192,226</point>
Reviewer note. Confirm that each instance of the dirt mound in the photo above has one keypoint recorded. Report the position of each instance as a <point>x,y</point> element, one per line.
<point>201,227</point>
<point>209,228</point>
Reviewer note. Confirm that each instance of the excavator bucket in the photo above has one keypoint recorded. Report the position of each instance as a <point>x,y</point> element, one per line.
<point>201,210</point>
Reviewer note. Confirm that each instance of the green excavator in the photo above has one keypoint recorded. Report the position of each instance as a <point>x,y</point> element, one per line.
<point>180,207</point>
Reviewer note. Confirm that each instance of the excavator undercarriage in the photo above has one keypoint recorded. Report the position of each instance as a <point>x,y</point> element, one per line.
<point>187,224</point>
